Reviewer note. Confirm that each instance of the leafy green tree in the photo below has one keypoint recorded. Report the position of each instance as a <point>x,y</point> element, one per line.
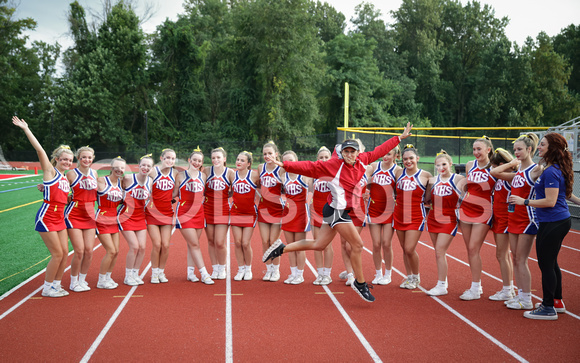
<point>567,43</point>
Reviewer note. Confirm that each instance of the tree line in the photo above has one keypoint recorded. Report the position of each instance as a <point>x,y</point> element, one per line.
<point>245,71</point>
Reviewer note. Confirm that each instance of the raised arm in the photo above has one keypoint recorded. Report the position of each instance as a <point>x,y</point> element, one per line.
<point>45,164</point>
<point>506,171</point>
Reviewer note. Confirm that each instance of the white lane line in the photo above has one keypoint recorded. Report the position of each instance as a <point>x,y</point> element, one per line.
<point>533,259</point>
<point>6,294</point>
<point>229,333</point>
<point>467,321</point>
<point>112,320</point>
<point>489,275</point>
<point>348,320</point>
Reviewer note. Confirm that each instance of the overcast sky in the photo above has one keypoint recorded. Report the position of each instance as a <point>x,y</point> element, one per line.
<point>527,17</point>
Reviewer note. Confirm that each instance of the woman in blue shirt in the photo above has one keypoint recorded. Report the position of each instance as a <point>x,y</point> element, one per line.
<point>553,187</point>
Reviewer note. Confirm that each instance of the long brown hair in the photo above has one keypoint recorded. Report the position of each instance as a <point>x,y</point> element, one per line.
<point>558,154</point>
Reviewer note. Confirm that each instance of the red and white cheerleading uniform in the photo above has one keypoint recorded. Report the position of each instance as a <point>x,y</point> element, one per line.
<point>523,219</point>
<point>476,206</point>
<point>409,213</point>
<point>80,213</point>
<point>243,212</point>
<point>444,199</point>
<point>319,198</point>
<point>108,201</point>
<point>500,206</point>
<point>50,216</point>
<point>381,201</point>
<point>343,179</point>
<point>159,211</point>
<point>132,215</point>
<point>270,207</point>
<point>358,212</point>
<point>190,210</point>
<point>216,206</point>
<point>296,216</point>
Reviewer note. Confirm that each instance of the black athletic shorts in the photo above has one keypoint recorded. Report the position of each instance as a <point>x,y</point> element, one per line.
<point>333,216</point>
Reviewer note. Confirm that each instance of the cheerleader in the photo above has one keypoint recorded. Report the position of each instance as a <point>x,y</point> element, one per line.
<point>380,213</point>
<point>217,211</point>
<point>190,187</point>
<point>442,220</point>
<point>50,217</point>
<point>109,197</point>
<point>522,223</point>
<point>79,217</point>
<point>243,213</point>
<point>475,211</point>
<point>320,191</point>
<point>137,190</point>
<point>159,214</point>
<point>296,218</point>
<point>409,214</point>
<point>270,207</point>
<point>500,227</point>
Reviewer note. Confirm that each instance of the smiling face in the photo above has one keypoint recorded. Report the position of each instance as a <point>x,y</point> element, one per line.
<point>168,159</point>
<point>390,157</point>
<point>242,162</point>
<point>64,161</point>
<point>442,165</point>
<point>217,158</point>
<point>86,158</point>
<point>269,154</point>
<point>543,147</point>
<point>410,160</point>
<point>196,161</point>
<point>349,155</point>
<point>145,166</point>
<point>118,168</point>
<point>481,151</point>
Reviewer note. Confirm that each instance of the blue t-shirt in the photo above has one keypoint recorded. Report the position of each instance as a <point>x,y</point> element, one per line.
<point>552,178</point>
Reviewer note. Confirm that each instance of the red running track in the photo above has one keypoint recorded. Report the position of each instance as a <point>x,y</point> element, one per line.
<point>258,321</point>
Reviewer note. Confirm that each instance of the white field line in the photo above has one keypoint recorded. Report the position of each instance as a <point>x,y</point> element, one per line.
<point>229,329</point>
<point>467,321</point>
<point>375,357</point>
<point>112,320</point>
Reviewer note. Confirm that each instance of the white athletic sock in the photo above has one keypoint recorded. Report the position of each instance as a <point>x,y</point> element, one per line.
<point>299,272</point>
<point>320,271</point>
<point>387,272</point>
<point>128,272</point>
<point>102,277</point>
<point>74,279</point>
<point>379,273</point>
<point>475,285</point>
<point>441,283</point>
<point>526,296</point>
<point>203,271</point>
<point>190,270</point>
<point>47,286</point>
<point>155,271</point>
<point>56,284</point>
<point>507,288</point>
<point>327,271</point>
<point>275,268</point>
<point>108,275</point>
<point>294,270</point>
<point>249,268</point>
<point>242,268</point>
<point>136,272</point>
<point>215,268</point>
<point>82,277</point>
<point>221,268</point>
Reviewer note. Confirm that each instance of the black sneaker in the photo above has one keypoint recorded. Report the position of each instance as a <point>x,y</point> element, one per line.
<point>363,290</point>
<point>275,250</point>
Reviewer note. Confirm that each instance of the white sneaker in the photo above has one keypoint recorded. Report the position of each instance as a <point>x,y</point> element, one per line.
<point>138,279</point>
<point>192,278</point>
<point>106,284</point>
<point>521,305</point>
<point>298,279</point>
<point>377,279</point>
<point>155,279</point>
<point>502,295</point>
<point>222,275</point>
<point>163,278</point>
<point>325,280</point>
<point>318,280</point>
<point>512,300</point>
<point>343,275</point>
<point>290,279</point>
<point>77,287</point>
<point>113,282</point>
<point>214,274</point>
<point>267,276</point>
<point>470,294</point>
<point>129,280</point>
<point>349,279</point>
<point>85,285</point>
<point>63,291</point>
<point>52,292</point>
<point>206,279</point>
<point>240,275</point>
<point>385,280</point>
<point>409,283</point>
<point>248,275</point>
<point>275,276</point>
<point>437,291</point>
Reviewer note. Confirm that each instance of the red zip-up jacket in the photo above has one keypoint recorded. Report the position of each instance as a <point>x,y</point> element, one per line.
<point>343,179</point>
